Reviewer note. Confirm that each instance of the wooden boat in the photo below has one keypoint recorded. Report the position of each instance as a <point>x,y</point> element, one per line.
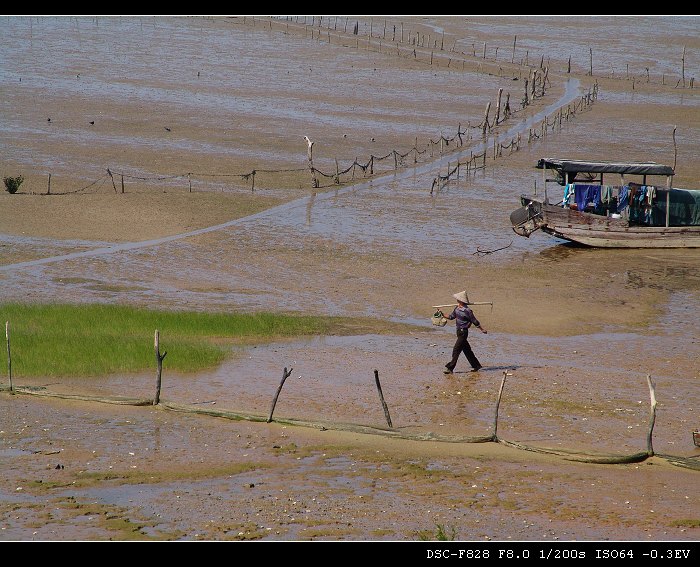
<point>593,212</point>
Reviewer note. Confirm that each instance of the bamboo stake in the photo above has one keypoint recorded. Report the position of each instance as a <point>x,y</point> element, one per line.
<point>9,358</point>
<point>652,415</point>
<point>675,150</point>
<point>310,157</point>
<point>498,106</point>
<point>683,66</point>
<point>159,364</point>
<point>381,397</point>
<point>486,119</point>
<point>498,403</point>
<point>112,178</point>
<point>285,375</point>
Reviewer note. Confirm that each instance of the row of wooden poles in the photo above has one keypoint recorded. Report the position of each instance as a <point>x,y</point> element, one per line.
<point>287,372</point>
<point>159,375</point>
<point>426,41</point>
<point>479,160</point>
<point>534,87</point>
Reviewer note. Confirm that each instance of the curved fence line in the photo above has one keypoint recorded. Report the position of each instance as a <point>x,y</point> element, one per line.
<point>535,86</point>
<point>479,161</point>
<point>373,165</point>
<point>390,432</point>
<point>390,37</point>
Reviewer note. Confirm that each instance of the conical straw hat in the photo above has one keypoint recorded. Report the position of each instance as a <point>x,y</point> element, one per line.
<point>461,296</point>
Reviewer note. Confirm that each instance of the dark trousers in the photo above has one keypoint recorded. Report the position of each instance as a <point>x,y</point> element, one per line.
<point>462,346</point>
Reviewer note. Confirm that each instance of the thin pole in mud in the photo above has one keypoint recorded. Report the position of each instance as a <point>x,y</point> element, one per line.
<point>48,190</point>
<point>683,66</point>
<point>652,415</point>
<point>498,106</point>
<point>159,364</point>
<point>675,152</point>
<point>112,178</point>
<point>498,403</point>
<point>381,397</point>
<point>285,375</point>
<point>9,358</point>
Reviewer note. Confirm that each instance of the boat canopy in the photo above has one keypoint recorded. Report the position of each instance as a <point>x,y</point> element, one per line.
<point>576,166</point>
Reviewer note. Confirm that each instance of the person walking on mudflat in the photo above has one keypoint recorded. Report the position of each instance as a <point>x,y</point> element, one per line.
<point>464,318</point>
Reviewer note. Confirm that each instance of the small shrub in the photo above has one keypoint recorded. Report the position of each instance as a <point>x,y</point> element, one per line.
<point>12,183</point>
<point>442,533</point>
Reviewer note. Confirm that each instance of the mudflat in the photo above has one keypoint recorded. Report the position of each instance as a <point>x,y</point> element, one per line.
<point>185,120</point>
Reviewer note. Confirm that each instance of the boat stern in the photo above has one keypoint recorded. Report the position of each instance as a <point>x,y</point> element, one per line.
<point>528,218</point>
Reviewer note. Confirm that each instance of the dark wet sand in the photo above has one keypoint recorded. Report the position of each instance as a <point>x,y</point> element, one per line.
<point>578,330</point>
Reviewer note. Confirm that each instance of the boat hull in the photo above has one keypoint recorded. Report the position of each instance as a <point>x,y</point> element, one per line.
<point>599,231</point>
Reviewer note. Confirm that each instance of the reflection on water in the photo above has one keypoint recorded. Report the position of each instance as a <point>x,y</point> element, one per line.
<point>667,270</point>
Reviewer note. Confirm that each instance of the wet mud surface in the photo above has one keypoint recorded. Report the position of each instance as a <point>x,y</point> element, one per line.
<point>577,330</point>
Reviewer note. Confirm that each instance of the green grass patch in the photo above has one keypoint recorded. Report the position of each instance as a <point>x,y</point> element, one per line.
<point>441,533</point>
<point>96,340</point>
<point>686,523</point>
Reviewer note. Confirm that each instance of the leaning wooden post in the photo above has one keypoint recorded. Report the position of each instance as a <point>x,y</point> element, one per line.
<point>498,106</point>
<point>498,403</point>
<point>159,364</point>
<point>310,157</point>
<point>486,120</point>
<point>675,149</point>
<point>652,415</point>
<point>683,67</point>
<point>112,178</point>
<point>122,183</point>
<point>9,358</point>
<point>381,397</point>
<point>285,375</point>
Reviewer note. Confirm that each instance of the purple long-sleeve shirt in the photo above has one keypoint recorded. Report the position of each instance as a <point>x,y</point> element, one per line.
<point>465,318</point>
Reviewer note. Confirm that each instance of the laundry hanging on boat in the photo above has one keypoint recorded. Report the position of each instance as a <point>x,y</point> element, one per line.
<point>585,194</point>
<point>606,194</point>
<point>568,192</point>
<point>623,198</point>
